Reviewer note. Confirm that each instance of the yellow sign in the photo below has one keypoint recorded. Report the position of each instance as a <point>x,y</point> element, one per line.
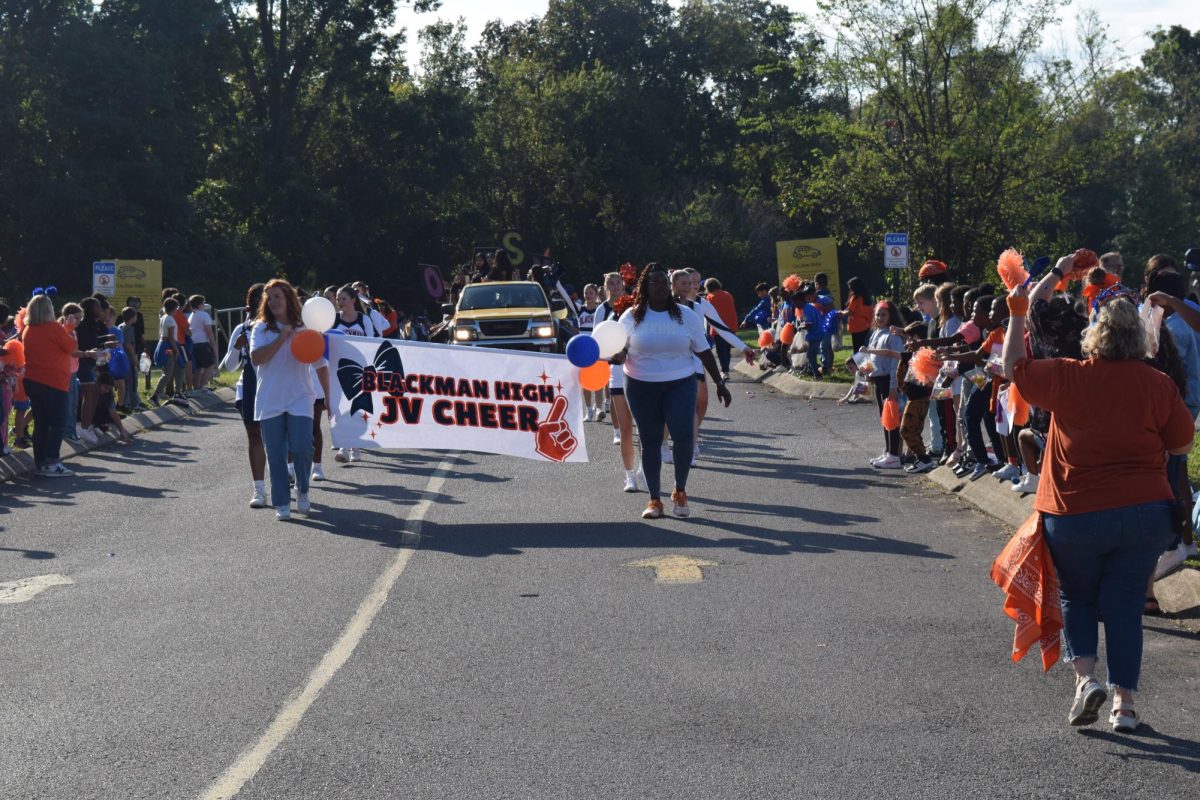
<point>674,569</point>
<point>807,257</point>
<point>141,279</point>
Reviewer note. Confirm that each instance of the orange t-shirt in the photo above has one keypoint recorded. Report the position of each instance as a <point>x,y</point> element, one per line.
<point>722,301</point>
<point>1112,423</point>
<point>48,349</point>
<point>861,315</point>
<point>995,338</point>
<point>182,328</point>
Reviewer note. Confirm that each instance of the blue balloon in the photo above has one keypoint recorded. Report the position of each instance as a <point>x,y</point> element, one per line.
<point>583,350</point>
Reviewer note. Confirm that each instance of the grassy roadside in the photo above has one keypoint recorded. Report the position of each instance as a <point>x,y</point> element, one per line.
<point>840,375</point>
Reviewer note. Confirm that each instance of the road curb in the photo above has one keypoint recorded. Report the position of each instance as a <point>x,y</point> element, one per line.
<point>791,385</point>
<point>21,463</point>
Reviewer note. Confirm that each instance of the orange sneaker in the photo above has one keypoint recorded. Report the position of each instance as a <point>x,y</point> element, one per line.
<point>679,506</point>
<point>654,510</point>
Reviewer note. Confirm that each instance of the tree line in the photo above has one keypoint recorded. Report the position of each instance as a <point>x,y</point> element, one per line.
<point>240,139</point>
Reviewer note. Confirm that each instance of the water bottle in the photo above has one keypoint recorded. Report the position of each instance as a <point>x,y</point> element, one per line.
<point>144,364</point>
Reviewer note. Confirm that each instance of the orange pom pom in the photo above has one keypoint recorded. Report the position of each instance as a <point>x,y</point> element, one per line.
<point>791,283</point>
<point>890,417</point>
<point>1011,267</point>
<point>765,339</point>
<point>925,366</point>
<point>308,346</point>
<point>14,355</point>
<point>787,334</point>
<point>595,377</point>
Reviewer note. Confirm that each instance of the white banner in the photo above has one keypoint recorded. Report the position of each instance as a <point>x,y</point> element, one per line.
<point>389,394</point>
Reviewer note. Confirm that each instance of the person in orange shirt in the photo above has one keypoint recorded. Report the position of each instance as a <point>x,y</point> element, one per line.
<point>184,352</point>
<point>859,313</point>
<point>49,349</point>
<point>723,302</point>
<point>1104,496</point>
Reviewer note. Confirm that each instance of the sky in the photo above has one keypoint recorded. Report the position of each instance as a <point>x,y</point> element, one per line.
<point>1128,20</point>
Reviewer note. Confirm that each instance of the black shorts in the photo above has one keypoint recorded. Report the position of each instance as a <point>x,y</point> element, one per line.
<point>205,357</point>
<point>616,392</point>
<point>246,404</point>
<point>87,371</point>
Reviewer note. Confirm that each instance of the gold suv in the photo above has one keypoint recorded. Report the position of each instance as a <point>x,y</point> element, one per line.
<point>514,315</point>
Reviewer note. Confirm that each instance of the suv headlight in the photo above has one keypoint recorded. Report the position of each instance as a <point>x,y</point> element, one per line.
<point>543,331</point>
<point>465,334</point>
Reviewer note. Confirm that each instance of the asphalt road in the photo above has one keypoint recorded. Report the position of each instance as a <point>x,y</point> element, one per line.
<point>846,644</point>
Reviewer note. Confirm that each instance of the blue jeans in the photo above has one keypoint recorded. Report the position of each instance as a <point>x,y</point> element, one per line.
<point>654,404</point>
<point>49,406</point>
<point>827,354</point>
<point>281,434</point>
<point>1104,561</point>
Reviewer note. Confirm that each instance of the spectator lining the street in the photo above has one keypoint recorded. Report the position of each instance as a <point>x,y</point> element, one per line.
<point>885,348</point>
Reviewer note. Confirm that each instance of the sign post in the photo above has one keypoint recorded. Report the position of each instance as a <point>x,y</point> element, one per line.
<point>104,277</point>
<point>895,256</point>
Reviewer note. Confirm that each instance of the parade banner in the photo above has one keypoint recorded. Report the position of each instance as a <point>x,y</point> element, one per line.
<point>388,394</point>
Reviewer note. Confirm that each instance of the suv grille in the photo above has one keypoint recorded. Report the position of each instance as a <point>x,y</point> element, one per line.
<point>503,328</point>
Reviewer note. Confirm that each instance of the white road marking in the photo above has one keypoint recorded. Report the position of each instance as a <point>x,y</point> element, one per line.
<point>288,718</point>
<point>28,588</point>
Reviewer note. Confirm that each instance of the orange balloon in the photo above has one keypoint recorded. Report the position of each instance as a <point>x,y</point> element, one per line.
<point>595,377</point>
<point>787,334</point>
<point>765,339</point>
<point>308,346</point>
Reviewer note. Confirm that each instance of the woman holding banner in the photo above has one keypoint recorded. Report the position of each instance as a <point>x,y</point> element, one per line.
<point>284,398</point>
<point>660,381</point>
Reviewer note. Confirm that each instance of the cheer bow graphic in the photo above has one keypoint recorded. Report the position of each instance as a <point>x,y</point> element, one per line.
<point>350,376</point>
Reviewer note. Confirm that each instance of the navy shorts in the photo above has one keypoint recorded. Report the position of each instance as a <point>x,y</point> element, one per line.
<point>700,377</point>
<point>87,371</point>
<point>204,355</point>
<point>249,387</point>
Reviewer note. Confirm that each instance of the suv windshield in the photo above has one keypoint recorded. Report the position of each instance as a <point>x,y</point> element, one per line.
<point>485,295</point>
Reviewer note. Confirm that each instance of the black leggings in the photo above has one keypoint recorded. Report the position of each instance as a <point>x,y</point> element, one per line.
<point>891,439</point>
<point>860,339</point>
<point>977,413</point>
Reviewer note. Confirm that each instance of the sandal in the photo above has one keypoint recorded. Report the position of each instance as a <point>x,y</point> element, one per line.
<point>1123,719</point>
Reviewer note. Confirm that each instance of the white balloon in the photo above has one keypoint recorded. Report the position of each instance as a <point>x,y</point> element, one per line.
<point>318,314</point>
<point>611,336</point>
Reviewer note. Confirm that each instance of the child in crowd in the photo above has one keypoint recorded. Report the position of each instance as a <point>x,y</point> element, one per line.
<point>165,357</point>
<point>978,415</point>
<point>885,348</point>
<point>917,394</point>
<point>203,341</point>
<point>106,415</point>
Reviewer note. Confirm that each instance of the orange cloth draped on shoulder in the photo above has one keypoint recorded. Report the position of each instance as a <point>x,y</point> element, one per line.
<point>1025,573</point>
<point>1092,291</point>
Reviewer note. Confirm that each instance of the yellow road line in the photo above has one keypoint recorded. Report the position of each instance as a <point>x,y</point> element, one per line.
<point>674,568</point>
<point>288,718</point>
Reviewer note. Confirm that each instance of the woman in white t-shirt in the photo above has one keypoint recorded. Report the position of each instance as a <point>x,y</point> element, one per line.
<point>284,397</point>
<point>660,381</point>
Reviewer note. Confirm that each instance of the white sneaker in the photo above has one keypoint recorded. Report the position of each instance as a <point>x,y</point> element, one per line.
<point>259,500</point>
<point>1027,485</point>
<point>607,406</point>
<point>631,483</point>
<point>600,413</point>
<point>355,455</point>
<point>1192,549</point>
<point>87,434</point>
<point>616,436</point>
<point>667,456</point>
<point>292,474</point>
<point>1007,473</point>
<point>302,504</point>
<point>283,513</point>
<point>880,457</point>
<point>891,462</point>
<point>57,470</point>
<point>679,504</point>
<point>589,415</point>
<point>342,456</point>
<point>318,474</point>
